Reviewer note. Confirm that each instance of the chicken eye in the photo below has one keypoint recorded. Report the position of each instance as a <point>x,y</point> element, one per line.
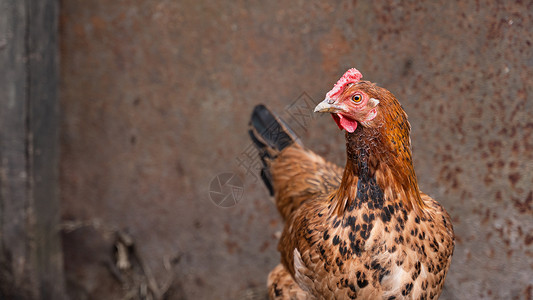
<point>357,98</point>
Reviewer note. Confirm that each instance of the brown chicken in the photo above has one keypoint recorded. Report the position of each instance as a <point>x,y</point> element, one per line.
<point>365,232</point>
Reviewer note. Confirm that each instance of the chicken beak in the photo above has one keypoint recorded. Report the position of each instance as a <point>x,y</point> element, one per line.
<point>327,106</point>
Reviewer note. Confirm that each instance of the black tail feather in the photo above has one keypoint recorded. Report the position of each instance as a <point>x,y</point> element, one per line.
<point>271,135</point>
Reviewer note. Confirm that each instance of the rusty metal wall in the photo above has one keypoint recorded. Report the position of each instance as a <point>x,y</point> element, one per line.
<point>156,97</point>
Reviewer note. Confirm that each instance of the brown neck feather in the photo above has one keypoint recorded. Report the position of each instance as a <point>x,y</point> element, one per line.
<point>380,156</point>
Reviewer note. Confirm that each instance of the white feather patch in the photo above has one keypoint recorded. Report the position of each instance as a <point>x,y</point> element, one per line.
<point>395,281</point>
<point>299,272</point>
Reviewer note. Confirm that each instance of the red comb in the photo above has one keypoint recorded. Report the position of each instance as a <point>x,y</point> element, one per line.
<point>352,75</point>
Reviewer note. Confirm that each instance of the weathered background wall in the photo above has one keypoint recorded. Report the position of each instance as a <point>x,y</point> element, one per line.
<point>156,97</point>
<point>31,260</point>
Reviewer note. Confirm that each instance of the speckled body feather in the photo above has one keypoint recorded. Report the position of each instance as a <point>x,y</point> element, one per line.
<point>376,248</point>
<point>365,232</point>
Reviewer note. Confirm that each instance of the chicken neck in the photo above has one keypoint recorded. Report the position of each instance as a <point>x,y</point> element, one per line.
<point>379,170</point>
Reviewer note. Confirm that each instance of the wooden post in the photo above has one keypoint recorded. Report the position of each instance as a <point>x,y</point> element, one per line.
<point>31,264</point>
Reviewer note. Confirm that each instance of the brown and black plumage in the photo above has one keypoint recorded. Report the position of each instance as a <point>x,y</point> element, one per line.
<point>365,232</point>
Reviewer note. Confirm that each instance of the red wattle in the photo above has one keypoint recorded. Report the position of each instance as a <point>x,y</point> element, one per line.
<point>337,120</point>
<point>345,123</point>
